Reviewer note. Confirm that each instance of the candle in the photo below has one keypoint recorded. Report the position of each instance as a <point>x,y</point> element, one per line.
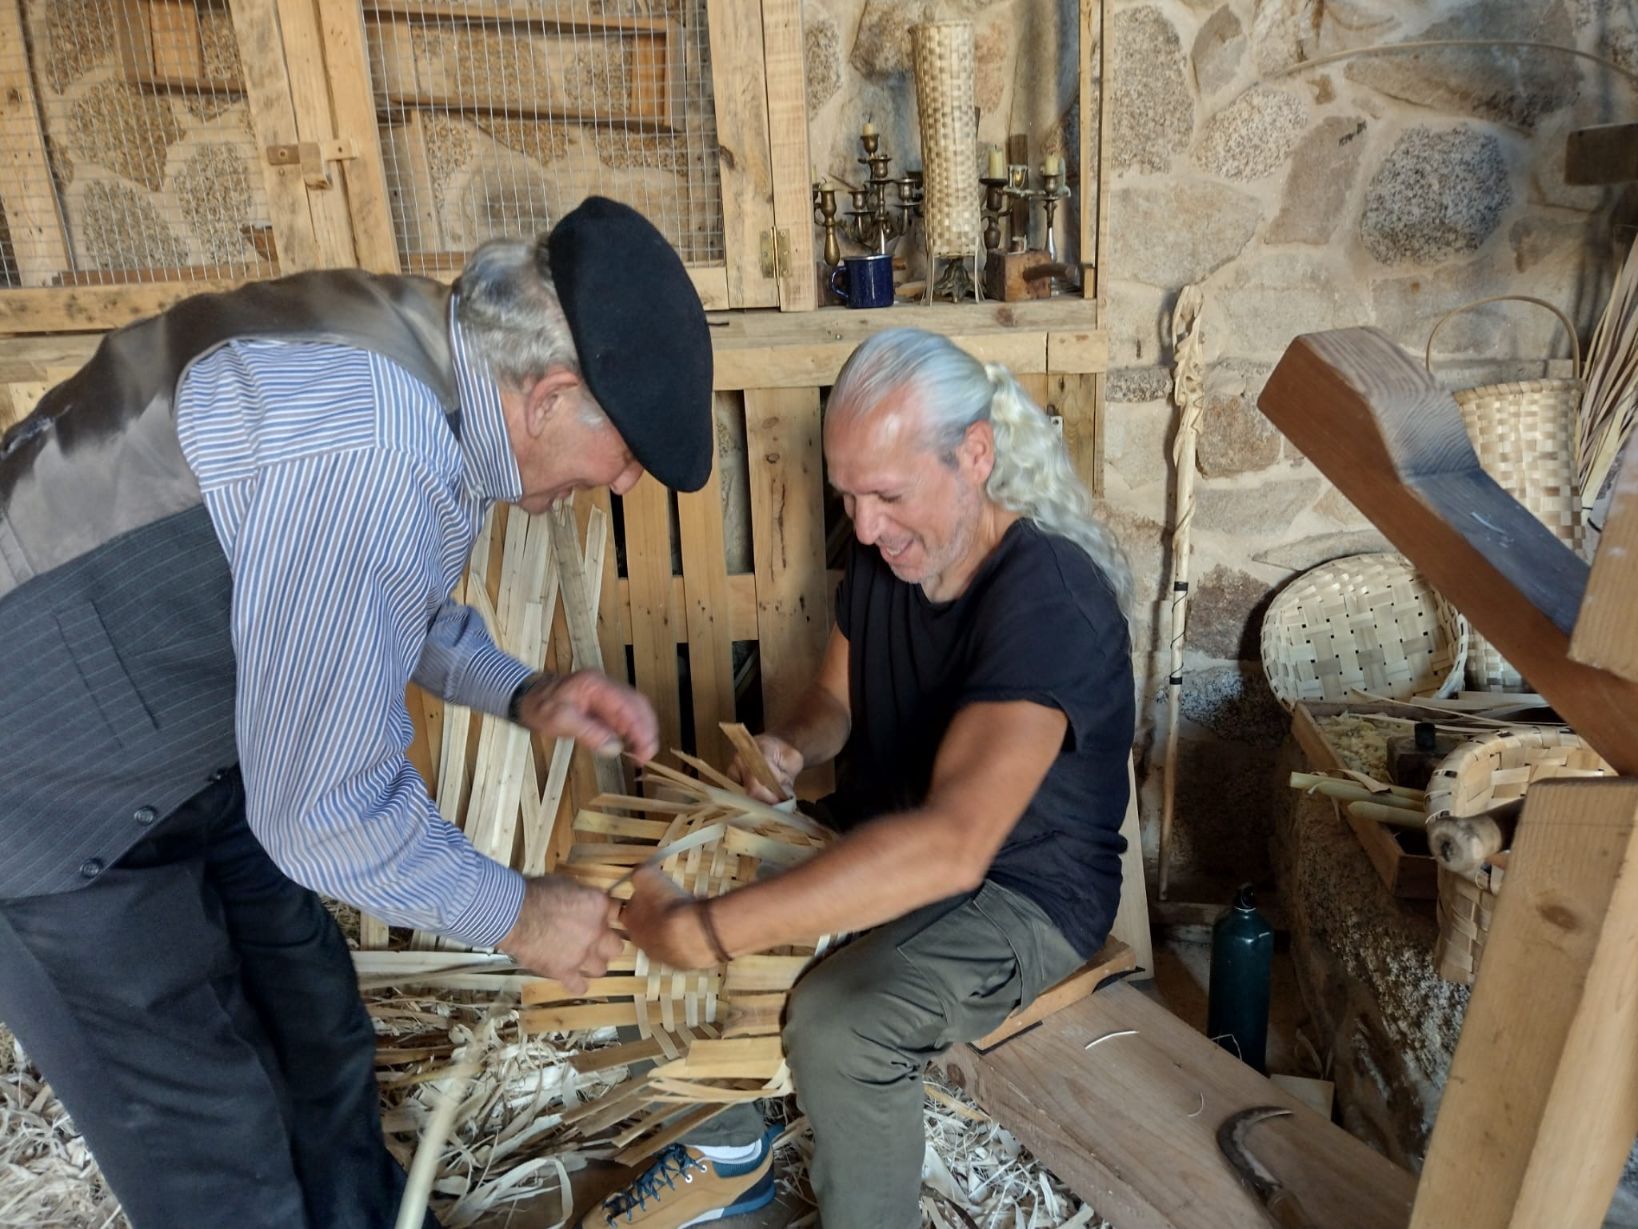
<point>1052,165</point>
<point>998,166</point>
<point>869,129</point>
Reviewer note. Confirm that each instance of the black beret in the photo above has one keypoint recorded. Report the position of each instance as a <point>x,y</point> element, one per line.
<point>644,346</point>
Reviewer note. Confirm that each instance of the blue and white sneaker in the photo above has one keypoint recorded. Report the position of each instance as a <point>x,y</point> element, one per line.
<point>684,1186</point>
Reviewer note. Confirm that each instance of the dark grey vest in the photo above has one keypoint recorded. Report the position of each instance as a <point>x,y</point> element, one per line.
<point>116,663</point>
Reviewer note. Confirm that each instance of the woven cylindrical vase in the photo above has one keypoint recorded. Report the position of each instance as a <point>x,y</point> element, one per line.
<point>943,53</point>
<point>1524,435</point>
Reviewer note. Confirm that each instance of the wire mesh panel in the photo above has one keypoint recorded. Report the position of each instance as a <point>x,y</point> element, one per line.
<point>498,118</point>
<point>128,144</point>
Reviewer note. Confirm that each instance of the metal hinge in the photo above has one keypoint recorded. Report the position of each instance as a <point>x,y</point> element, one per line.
<point>776,252</point>
<point>311,157</point>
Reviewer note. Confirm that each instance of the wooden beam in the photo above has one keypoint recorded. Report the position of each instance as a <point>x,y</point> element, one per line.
<point>1541,1104</point>
<point>1392,440</point>
<point>93,307</point>
<point>739,92</point>
<point>1130,1124</point>
<point>27,193</point>
<point>785,58</point>
<point>1605,636</point>
<point>1604,154</point>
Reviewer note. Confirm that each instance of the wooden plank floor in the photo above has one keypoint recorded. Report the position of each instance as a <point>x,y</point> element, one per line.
<point>1131,1124</point>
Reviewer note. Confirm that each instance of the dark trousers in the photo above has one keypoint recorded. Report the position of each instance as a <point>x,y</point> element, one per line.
<point>198,1015</point>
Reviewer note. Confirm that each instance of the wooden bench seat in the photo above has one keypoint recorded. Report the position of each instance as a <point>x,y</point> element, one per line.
<point>1131,1124</point>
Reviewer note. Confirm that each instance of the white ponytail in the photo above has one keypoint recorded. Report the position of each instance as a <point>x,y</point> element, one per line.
<point>1032,476</point>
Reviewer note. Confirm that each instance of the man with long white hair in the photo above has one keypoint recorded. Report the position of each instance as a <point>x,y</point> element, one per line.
<point>977,693</point>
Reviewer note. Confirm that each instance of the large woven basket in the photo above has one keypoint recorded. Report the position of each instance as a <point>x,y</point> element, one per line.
<point>713,1033</point>
<point>1475,777</point>
<point>1524,434</point>
<point>943,53</point>
<point>1365,623</point>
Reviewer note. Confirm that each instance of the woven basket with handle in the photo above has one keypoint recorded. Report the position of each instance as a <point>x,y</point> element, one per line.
<point>1524,434</point>
<point>1475,777</point>
<point>1365,623</point>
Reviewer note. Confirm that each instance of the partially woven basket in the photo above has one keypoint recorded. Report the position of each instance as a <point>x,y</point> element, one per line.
<point>1524,434</point>
<point>714,1033</point>
<point>1475,777</point>
<point>1365,623</point>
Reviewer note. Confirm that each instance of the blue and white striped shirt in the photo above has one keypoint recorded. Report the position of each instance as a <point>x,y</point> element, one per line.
<point>347,509</point>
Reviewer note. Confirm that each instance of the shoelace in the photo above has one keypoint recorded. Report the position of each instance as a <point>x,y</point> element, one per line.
<point>675,1162</point>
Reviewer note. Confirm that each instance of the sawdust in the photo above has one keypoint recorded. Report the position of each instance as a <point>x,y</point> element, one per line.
<point>125,130</point>
<point>449,149</point>
<point>219,49</point>
<point>625,150</point>
<point>542,141</point>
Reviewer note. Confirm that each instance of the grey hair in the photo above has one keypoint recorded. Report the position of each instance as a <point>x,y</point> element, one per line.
<point>1032,476</point>
<point>510,314</point>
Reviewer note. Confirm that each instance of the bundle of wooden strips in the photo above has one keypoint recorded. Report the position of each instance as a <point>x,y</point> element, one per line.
<point>1609,407</point>
<point>714,1032</point>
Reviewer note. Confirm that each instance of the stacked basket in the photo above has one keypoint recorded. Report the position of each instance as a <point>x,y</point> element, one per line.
<point>1524,434</point>
<point>1472,779</point>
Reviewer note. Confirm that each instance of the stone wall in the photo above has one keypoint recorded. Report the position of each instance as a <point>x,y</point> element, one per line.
<point>1381,189</point>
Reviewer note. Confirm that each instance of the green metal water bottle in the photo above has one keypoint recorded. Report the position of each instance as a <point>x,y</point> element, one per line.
<point>1242,954</point>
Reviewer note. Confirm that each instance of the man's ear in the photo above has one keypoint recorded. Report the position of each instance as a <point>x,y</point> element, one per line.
<point>545,397</point>
<point>977,450</point>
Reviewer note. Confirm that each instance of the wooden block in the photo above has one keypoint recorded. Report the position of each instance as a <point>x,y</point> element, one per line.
<point>1004,276</point>
<point>1113,959</point>
<point>1317,1095</point>
<point>1541,1104</point>
<point>1130,1124</point>
<point>1603,154</point>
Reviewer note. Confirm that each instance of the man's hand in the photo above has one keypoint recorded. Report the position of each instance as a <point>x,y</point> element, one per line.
<point>601,715</point>
<point>665,922</point>
<point>564,931</point>
<point>785,760</point>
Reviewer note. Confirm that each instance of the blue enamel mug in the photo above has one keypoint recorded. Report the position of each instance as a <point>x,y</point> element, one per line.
<point>867,281</point>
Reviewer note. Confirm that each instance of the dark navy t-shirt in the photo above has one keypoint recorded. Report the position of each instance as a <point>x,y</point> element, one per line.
<point>1037,623</point>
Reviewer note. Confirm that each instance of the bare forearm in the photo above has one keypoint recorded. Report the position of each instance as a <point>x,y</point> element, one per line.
<point>818,728</point>
<point>876,873</point>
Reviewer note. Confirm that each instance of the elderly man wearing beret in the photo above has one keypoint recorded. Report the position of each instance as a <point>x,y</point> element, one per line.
<point>226,545</point>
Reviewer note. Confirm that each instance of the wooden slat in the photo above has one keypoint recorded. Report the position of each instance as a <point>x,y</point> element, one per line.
<point>346,59</point>
<point>27,192</point>
<point>1106,88</point>
<point>740,95</point>
<point>303,48</point>
<point>1131,924</point>
<point>273,119</point>
<point>654,636</point>
<point>705,592</point>
<point>1131,1124</point>
<point>93,307</point>
<point>785,61</point>
<point>1089,24</point>
<point>1606,630</point>
<point>1112,959</point>
<point>787,540</point>
<point>1392,440</point>
<point>1541,1104</point>
<point>711,284</point>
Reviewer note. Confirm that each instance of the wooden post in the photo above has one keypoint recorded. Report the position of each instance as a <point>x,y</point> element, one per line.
<point>26,190</point>
<point>788,151</point>
<point>1541,1104</point>
<point>739,92</point>
<point>273,118</point>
